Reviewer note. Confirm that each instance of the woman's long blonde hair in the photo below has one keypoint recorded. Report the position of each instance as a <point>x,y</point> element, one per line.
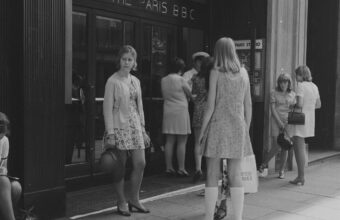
<point>226,58</point>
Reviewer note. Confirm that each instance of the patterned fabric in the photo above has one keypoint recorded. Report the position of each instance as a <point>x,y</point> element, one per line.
<point>131,138</point>
<point>227,134</point>
<point>225,188</point>
<point>200,101</point>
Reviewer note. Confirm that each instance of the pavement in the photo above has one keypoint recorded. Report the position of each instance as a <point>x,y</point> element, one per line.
<point>276,199</point>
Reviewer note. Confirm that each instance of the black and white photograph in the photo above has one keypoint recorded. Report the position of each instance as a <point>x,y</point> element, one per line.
<point>169,110</point>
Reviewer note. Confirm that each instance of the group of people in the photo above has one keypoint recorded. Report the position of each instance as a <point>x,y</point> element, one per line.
<point>283,100</point>
<point>220,89</point>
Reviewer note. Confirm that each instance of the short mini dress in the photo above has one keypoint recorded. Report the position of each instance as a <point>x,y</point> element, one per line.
<point>283,101</point>
<point>227,134</point>
<point>200,101</point>
<point>132,137</point>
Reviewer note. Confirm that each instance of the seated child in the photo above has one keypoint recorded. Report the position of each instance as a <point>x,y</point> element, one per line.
<point>10,189</point>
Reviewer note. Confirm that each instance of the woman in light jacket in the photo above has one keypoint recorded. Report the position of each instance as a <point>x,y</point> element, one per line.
<point>125,126</point>
<point>308,99</point>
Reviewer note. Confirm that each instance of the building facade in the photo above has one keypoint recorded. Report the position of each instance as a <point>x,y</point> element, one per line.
<point>56,57</point>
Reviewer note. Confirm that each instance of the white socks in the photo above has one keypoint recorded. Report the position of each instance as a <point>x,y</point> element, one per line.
<point>210,198</point>
<point>237,199</point>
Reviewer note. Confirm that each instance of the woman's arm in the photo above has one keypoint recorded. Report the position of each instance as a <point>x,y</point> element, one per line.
<point>186,89</point>
<point>276,116</point>
<point>247,104</point>
<point>140,106</point>
<point>299,96</point>
<point>210,102</point>
<point>318,103</point>
<point>108,107</point>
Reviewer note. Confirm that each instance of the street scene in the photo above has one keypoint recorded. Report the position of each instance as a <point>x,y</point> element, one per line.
<point>169,109</point>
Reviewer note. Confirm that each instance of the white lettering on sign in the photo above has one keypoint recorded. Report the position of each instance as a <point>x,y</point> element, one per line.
<point>245,44</point>
<point>160,6</point>
<point>123,2</point>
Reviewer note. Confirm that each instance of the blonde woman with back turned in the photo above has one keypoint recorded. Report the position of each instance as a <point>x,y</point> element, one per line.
<point>225,127</point>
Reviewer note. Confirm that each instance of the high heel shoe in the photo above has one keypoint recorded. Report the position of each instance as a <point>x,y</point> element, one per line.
<point>122,212</point>
<point>298,182</point>
<point>138,209</point>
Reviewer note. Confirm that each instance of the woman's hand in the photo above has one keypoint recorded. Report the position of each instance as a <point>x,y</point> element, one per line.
<point>282,125</point>
<point>111,140</point>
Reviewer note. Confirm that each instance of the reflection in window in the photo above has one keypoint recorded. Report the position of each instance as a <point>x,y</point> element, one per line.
<point>159,58</point>
<point>76,116</point>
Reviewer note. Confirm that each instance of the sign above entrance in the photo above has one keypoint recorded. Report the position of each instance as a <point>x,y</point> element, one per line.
<point>245,44</point>
<point>184,10</point>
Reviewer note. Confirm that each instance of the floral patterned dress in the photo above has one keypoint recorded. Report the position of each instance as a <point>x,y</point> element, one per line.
<point>200,101</point>
<point>131,138</point>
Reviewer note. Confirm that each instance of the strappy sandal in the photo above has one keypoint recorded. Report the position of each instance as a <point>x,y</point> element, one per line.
<point>182,173</point>
<point>170,172</point>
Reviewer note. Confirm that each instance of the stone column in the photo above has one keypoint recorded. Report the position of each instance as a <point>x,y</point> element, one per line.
<point>286,49</point>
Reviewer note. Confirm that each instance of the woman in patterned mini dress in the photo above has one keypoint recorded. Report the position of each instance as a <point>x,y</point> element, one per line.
<point>225,127</point>
<point>124,124</point>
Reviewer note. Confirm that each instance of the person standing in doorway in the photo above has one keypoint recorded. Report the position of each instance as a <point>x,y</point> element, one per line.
<point>225,127</point>
<point>308,99</point>
<point>176,120</point>
<point>197,62</point>
<point>200,86</point>
<point>125,126</point>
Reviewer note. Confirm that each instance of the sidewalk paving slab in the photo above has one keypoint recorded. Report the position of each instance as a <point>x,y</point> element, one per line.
<point>318,199</point>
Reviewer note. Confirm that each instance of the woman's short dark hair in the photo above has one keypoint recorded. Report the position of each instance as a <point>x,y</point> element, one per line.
<point>284,77</point>
<point>176,65</point>
<point>4,124</point>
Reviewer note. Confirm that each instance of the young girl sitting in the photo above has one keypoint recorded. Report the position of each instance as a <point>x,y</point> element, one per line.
<point>10,189</point>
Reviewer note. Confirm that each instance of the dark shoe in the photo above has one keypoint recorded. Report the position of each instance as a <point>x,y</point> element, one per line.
<point>122,212</point>
<point>170,172</point>
<point>298,182</point>
<point>182,173</point>
<point>220,212</point>
<point>134,208</point>
<point>197,176</point>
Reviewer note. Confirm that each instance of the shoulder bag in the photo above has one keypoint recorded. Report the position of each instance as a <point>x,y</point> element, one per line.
<point>295,117</point>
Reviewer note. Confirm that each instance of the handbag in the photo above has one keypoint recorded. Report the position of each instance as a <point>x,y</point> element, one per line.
<point>284,142</point>
<point>111,160</point>
<point>296,118</point>
<point>249,176</point>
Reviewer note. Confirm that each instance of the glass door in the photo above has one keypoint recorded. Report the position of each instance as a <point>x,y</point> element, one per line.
<point>159,46</point>
<point>96,39</point>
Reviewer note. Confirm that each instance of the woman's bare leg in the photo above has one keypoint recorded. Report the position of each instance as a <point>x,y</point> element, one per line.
<point>181,149</point>
<point>138,165</point>
<point>6,207</point>
<point>169,149</point>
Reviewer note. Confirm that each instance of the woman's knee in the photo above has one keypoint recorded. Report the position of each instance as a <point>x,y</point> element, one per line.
<point>234,172</point>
